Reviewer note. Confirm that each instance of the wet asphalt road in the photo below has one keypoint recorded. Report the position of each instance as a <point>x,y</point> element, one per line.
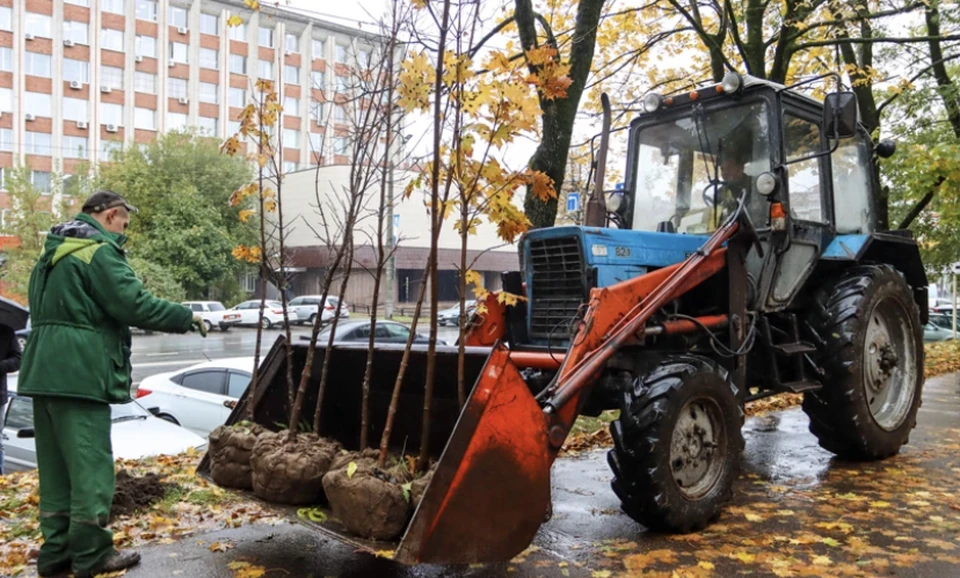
<point>162,353</point>
<point>796,511</point>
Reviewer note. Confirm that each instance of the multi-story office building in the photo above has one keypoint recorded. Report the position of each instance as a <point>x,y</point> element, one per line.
<point>79,78</point>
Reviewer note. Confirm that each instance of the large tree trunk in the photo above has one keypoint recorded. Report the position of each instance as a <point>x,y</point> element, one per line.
<point>559,114</point>
<point>945,86</point>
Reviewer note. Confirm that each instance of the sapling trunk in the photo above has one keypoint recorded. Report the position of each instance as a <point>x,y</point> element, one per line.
<point>325,370</point>
<point>254,380</point>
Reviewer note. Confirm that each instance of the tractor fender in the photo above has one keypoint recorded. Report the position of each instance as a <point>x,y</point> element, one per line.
<point>896,248</point>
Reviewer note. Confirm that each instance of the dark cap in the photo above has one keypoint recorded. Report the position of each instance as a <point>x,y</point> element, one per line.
<point>102,200</point>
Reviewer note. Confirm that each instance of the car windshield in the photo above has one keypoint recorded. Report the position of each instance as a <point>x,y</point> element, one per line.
<point>682,165</point>
<point>217,307</point>
<point>125,411</point>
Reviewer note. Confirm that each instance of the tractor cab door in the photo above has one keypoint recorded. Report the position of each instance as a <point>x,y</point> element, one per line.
<point>790,256</point>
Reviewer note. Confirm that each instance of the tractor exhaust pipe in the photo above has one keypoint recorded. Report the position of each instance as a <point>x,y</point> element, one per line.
<point>597,205</point>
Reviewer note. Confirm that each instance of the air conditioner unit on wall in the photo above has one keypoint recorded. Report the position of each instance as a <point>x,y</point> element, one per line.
<point>67,42</point>
<point>28,36</point>
<point>105,88</point>
<point>82,124</point>
<point>183,100</point>
<point>76,84</point>
<point>138,58</point>
<point>29,117</point>
<point>182,29</point>
<point>171,63</point>
<point>111,128</point>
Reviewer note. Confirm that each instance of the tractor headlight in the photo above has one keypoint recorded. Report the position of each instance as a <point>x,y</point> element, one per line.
<point>731,82</point>
<point>766,183</point>
<point>614,202</point>
<point>652,102</point>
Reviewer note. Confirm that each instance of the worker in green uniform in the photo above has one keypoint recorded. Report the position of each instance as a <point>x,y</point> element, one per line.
<point>83,298</point>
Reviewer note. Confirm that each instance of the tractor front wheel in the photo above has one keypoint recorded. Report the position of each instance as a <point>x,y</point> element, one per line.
<point>872,358</point>
<point>677,445</point>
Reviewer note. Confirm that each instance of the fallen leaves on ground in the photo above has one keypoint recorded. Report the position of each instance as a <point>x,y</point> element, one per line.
<point>190,506</point>
<point>243,569</point>
<point>942,357</point>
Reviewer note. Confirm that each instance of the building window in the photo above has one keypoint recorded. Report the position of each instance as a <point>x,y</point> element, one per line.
<point>108,147</point>
<point>210,58</point>
<point>177,87</point>
<point>292,43</point>
<point>291,106</point>
<point>111,113</point>
<point>37,64</point>
<point>75,109</point>
<point>6,18</point>
<point>233,127</point>
<point>78,2</point>
<point>340,113</point>
<point>248,282</point>
<point>36,143</point>
<point>37,104</point>
<point>363,59</point>
<point>316,142</point>
<point>147,46</point>
<point>238,64</point>
<point>6,59</point>
<point>111,76</point>
<point>340,54</point>
<point>341,145</point>
<point>289,166</point>
<point>114,6</point>
<point>266,69</point>
<point>178,52</point>
<point>318,112</point>
<point>76,31</point>
<point>208,125</point>
<point>111,39</point>
<point>319,49</point>
<point>178,17</point>
<point>6,139</point>
<point>209,24</point>
<point>41,179</point>
<point>145,118</point>
<point>266,37</point>
<point>238,32</point>
<point>176,121</point>
<point>78,70</point>
<point>237,97</point>
<point>209,92</point>
<point>147,10</point>
<point>316,79</point>
<point>6,100</point>
<point>291,138</point>
<point>145,82</point>
<point>39,25</point>
<point>75,147</point>
<point>340,83</point>
<point>291,74</point>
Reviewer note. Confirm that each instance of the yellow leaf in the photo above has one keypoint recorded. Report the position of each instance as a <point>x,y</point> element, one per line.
<point>220,546</point>
<point>753,517</point>
<point>385,554</point>
<point>822,560</point>
<point>831,542</point>
<point>880,504</point>
<point>246,570</point>
<point>245,215</point>
<point>473,278</point>
<point>351,469</point>
<point>706,565</point>
<point>744,557</point>
<point>234,21</point>
<point>601,574</point>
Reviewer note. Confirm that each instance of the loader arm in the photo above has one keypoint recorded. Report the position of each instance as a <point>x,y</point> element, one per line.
<point>491,490</point>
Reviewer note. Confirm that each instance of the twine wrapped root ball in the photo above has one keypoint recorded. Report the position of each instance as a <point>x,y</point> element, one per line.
<point>229,452</point>
<point>369,503</point>
<point>290,470</point>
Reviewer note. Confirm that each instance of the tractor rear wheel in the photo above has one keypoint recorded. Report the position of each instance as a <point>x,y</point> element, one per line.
<point>872,357</point>
<point>677,444</point>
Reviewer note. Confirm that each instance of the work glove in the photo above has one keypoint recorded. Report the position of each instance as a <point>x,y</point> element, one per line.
<point>198,325</point>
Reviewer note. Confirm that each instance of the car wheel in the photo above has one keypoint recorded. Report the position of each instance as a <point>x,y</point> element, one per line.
<point>224,327</point>
<point>169,418</point>
<point>266,323</point>
<point>313,319</point>
<point>208,325</point>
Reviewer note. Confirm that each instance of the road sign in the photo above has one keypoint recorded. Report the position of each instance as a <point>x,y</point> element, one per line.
<point>619,186</point>
<point>955,268</point>
<point>573,202</point>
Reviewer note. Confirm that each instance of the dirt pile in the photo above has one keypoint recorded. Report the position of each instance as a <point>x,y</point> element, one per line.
<point>229,452</point>
<point>133,494</point>
<point>289,471</point>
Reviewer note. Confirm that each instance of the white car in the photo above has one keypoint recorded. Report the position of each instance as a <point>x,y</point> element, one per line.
<point>200,397</point>
<point>134,433</point>
<point>250,313</point>
<point>214,314</point>
<point>307,306</point>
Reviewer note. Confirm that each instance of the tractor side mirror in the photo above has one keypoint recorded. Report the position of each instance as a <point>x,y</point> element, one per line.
<point>840,115</point>
<point>886,148</point>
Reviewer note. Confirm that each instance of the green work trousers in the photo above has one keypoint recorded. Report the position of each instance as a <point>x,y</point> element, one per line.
<point>75,462</point>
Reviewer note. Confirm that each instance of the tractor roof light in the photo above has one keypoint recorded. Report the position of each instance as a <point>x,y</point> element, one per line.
<point>614,202</point>
<point>652,102</point>
<point>731,83</point>
<point>766,183</point>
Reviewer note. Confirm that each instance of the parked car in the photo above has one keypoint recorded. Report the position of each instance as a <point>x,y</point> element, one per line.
<point>451,316</point>
<point>23,335</point>
<point>307,307</point>
<point>942,320</point>
<point>134,433</point>
<point>199,397</point>
<point>359,332</point>
<point>933,332</point>
<point>249,312</point>
<point>214,314</point>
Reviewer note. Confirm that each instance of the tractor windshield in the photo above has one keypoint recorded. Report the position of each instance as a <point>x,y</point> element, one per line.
<point>691,171</point>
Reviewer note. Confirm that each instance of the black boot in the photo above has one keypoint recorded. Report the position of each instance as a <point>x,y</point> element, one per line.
<point>114,562</point>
